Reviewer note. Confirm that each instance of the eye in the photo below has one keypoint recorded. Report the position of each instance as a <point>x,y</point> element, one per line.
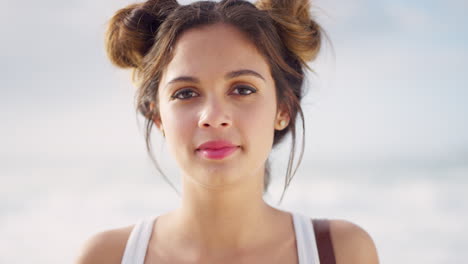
<point>244,90</point>
<point>184,94</point>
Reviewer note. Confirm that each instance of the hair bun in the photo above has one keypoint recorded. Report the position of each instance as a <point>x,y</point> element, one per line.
<point>132,30</point>
<point>300,34</point>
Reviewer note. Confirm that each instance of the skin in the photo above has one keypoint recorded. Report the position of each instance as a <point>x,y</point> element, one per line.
<point>207,226</point>
<point>216,192</point>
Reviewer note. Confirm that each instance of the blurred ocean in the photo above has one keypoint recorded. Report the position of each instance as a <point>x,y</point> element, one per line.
<point>416,212</point>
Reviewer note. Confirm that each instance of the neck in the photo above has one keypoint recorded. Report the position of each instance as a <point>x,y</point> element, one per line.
<point>223,219</point>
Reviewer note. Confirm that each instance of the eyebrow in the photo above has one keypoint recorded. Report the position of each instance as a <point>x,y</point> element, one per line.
<point>238,73</point>
<point>229,75</point>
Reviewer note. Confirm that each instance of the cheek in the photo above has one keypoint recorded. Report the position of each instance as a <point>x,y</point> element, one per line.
<point>178,124</point>
<point>260,124</point>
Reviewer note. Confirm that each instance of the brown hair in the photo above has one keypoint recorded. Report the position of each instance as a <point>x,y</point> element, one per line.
<point>142,36</point>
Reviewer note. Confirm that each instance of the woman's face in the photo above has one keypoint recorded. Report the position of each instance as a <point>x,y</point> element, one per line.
<point>218,87</point>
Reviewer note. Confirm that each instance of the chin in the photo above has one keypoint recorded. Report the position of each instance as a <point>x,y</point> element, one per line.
<point>216,174</point>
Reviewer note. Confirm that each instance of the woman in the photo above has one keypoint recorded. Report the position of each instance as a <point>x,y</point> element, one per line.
<point>223,83</point>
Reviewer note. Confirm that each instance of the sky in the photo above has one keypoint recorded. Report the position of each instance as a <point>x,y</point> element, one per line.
<point>391,83</point>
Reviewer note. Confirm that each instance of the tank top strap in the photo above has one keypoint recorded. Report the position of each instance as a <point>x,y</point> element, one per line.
<point>137,244</point>
<point>324,241</point>
<point>307,250</point>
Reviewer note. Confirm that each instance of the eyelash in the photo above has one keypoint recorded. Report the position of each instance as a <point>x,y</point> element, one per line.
<point>182,91</point>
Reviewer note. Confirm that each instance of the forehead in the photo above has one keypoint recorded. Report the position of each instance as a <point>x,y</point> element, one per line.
<point>214,50</point>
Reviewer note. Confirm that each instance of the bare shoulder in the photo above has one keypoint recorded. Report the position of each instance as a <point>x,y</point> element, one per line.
<point>106,247</point>
<point>351,243</point>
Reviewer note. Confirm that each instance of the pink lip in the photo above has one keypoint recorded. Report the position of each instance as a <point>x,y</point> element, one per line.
<point>216,149</point>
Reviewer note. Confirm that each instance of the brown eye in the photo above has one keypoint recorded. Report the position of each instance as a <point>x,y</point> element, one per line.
<point>184,94</point>
<point>245,90</point>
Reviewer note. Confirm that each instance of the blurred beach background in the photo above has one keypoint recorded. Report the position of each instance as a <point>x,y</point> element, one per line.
<point>386,130</point>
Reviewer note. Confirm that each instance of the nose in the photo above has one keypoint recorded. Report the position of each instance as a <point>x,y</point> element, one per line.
<point>215,114</point>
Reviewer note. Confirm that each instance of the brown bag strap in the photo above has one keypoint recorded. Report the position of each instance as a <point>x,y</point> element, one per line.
<point>324,242</point>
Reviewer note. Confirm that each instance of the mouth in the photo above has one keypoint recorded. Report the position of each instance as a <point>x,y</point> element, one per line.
<point>217,153</point>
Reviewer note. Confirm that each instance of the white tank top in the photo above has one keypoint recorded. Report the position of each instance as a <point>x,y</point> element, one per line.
<point>307,251</point>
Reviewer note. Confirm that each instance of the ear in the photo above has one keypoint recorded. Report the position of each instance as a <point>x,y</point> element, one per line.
<point>156,119</point>
<point>282,119</point>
